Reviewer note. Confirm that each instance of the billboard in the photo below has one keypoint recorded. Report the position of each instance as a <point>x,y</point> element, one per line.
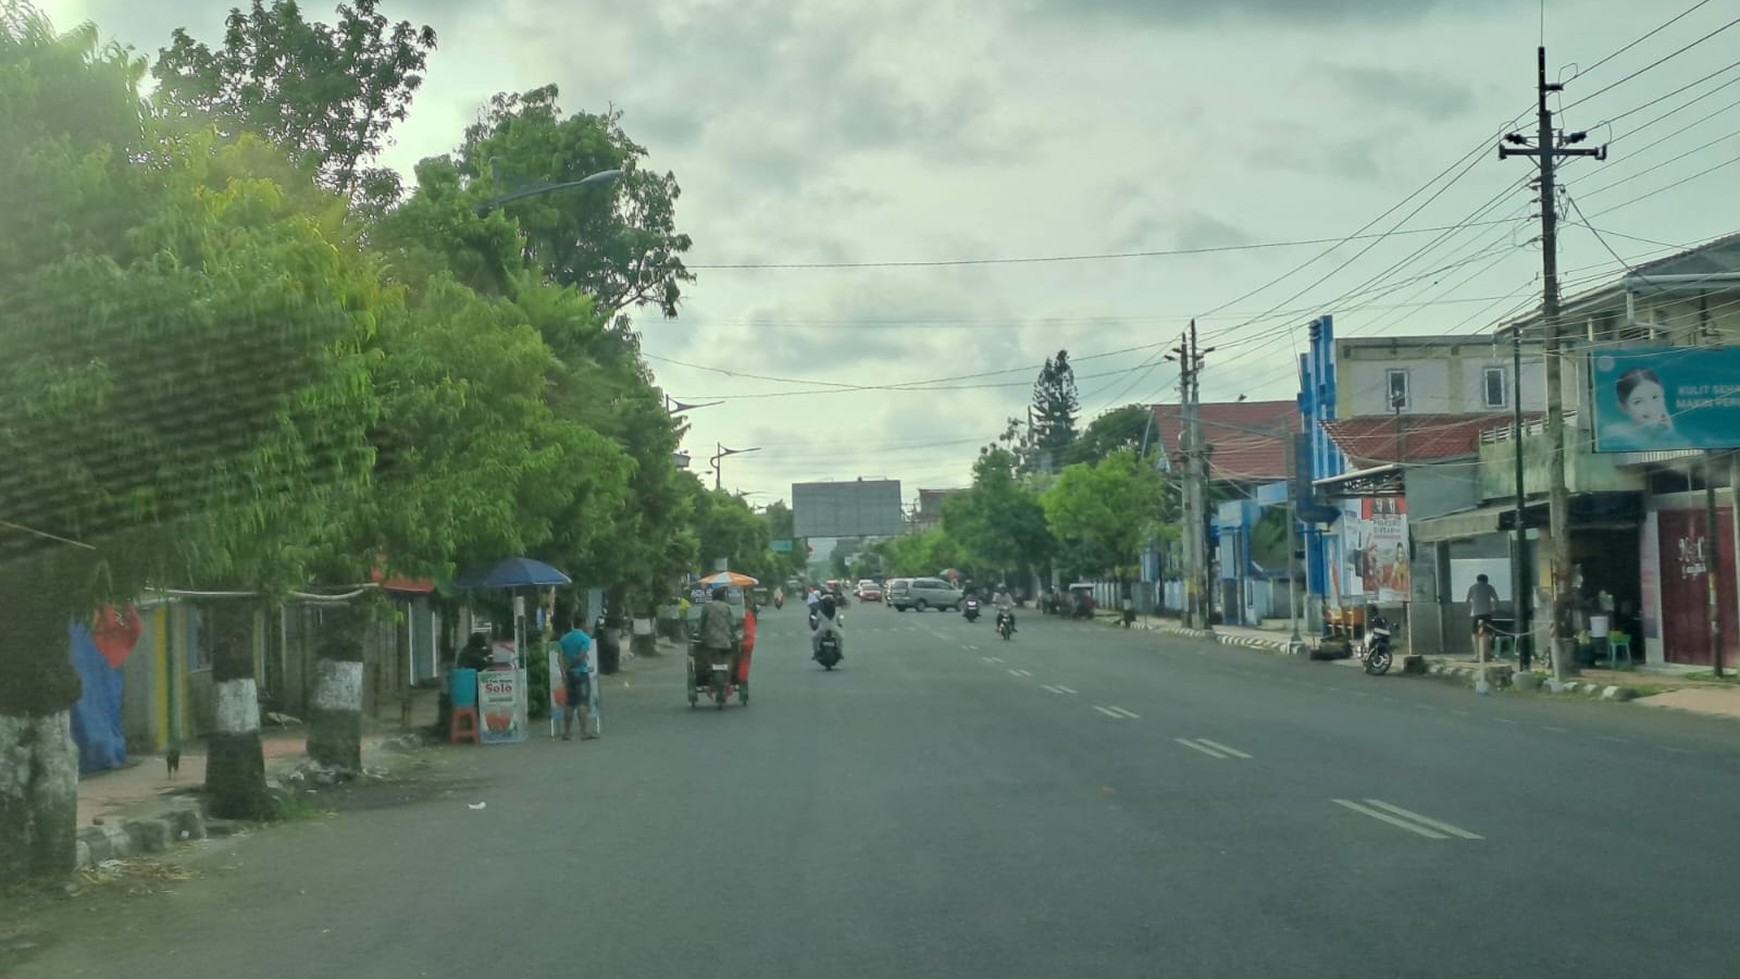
<point>860,508</point>
<point>1374,542</point>
<point>1653,399</point>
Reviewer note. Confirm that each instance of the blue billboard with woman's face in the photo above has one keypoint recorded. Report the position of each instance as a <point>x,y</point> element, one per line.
<point>1651,399</point>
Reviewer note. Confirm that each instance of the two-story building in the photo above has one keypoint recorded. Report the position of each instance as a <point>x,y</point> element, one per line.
<point>1638,520</point>
<point>1395,425</point>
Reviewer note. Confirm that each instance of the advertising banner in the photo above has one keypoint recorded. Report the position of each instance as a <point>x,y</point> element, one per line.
<point>500,705</point>
<point>1662,398</point>
<point>1374,547</point>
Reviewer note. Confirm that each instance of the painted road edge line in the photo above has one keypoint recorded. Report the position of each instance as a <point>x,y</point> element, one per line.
<point>1210,752</point>
<point>1393,821</point>
<point>1436,824</point>
<point>1216,745</point>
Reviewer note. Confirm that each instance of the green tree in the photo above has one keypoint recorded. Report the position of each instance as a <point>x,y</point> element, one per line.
<point>1119,428</point>
<point>998,524</point>
<point>1055,406</point>
<point>327,94</point>
<point>185,393</point>
<point>622,247</point>
<point>639,548</point>
<point>1103,514</point>
<point>726,527</point>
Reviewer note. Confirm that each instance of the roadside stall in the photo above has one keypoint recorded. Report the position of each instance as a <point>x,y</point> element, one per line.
<point>501,689</point>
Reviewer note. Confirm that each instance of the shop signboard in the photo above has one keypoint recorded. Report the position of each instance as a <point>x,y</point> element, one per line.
<point>1649,399</point>
<point>1374,546</point>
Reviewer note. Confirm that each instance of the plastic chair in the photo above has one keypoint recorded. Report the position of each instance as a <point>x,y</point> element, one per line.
<point>1618,642</point>
<point>1503,646</point>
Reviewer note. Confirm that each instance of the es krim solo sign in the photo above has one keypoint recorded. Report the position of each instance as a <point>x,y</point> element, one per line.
<point>1652,399</point>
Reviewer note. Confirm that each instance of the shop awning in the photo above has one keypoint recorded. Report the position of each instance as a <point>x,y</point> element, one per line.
<point>1460,525</point>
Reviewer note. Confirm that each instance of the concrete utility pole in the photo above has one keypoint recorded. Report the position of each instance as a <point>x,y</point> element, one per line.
<point>1548,148</point>
<point>1198,603</point>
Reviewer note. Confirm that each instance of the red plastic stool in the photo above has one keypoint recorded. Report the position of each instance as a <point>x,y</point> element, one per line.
<point>457,732</point>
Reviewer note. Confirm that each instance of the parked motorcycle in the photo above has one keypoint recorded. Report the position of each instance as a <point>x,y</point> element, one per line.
<point>1377,647</point>
<point>970,610</point>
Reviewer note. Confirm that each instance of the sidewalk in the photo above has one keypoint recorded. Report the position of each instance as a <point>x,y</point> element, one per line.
<point>1650,686</point>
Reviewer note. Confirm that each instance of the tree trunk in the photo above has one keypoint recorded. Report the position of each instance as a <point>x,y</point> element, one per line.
<point>235,768</point>
<point>39,766</point>
<point>335,720</point>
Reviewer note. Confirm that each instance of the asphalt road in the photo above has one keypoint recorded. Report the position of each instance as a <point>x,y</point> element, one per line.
<point>1077,802</point>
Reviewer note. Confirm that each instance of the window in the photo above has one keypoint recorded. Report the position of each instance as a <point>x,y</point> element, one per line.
<point>1396,393</point>
<point>1495,388</point>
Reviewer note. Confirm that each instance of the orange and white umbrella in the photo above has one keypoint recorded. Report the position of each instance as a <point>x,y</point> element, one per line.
<point>730,578</point>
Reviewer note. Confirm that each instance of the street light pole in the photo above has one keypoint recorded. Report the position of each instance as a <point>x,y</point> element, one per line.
<point>719,456</point>
<point>539,190</point>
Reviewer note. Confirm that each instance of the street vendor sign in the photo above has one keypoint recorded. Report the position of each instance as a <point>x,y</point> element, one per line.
<point>501,705</point>
<point>1650,399</point>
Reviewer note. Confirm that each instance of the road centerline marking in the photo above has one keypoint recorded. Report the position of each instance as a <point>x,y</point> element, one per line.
<point>1216,745</point>
<point>1205,749</point>
<point>1436,824</point>
<point>1393,821</point>
<point>1108,712</point>
<point>1064,688</point>
<point>1127,713</point>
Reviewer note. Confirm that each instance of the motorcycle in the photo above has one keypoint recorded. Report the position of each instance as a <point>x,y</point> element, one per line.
<point>1005,625</point>
<point>778,600</point>
<point>970,610</point>
<point>828,651</point>
<point>1377,647</point>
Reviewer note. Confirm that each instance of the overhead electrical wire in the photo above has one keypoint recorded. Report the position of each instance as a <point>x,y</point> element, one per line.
<point>1652,65</point>
<point>1634,42</point>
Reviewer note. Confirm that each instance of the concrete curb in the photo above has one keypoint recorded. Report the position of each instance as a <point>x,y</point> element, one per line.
<point>1498,676</point>
<point>139,835</point>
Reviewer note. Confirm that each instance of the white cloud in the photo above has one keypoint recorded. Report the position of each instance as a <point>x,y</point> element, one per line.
<point>918,130</point>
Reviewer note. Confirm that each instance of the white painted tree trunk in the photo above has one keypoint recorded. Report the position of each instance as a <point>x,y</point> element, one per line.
<point>235,771</point>
<point>335,723</point>
<point>39,796</point>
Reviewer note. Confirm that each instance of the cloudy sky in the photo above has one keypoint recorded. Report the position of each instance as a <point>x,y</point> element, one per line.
<point>1218,134</point>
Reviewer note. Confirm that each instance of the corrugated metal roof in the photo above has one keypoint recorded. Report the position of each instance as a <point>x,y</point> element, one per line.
<point>1373,439</point>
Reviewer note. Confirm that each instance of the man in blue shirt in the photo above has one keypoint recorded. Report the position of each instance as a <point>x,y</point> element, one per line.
<point>576,648</point>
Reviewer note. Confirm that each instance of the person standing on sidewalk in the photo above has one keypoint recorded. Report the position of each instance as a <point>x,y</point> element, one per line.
<point>1482,599</point>
<point>578,670</point>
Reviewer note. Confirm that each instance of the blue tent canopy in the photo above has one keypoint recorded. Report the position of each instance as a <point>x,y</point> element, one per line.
<point>515,572</point>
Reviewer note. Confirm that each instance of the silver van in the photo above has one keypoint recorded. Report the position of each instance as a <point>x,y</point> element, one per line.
<point>926,593</point>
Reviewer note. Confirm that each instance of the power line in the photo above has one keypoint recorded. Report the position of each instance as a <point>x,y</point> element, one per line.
<point>1656,63</point>
<point>1674,159</point>
<point>1042,259</point>
<point>1641,38</point>
<point>1663,98</point>
<point>1665,189</point>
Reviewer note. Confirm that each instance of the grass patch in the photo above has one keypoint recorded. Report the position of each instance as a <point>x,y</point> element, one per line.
<point>297,807</point>
<point>1709,676</point>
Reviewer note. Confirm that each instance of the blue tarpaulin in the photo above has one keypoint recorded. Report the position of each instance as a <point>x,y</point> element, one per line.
<point>96,718</point>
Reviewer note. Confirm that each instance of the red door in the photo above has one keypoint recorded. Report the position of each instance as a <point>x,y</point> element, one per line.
<point>1685,614</point>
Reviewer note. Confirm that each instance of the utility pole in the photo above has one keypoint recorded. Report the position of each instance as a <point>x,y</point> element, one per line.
<point>1198,603</point>
<point>1522,592</point>
<point>1548,148</point>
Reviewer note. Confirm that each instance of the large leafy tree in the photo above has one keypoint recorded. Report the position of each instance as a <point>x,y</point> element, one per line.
<point>998,523</point>
<point>184,394</point>
<point>327,93</point>
<point>1104,513</point>
<point>621,248</point>
<point>781,526</point>
<point>1055,407</point>
<point>726,527</point>
<point>1120,428</point>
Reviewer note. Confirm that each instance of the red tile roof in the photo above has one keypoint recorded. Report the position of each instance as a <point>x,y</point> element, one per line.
<point>1370,440</point>
<point>1249,438</point>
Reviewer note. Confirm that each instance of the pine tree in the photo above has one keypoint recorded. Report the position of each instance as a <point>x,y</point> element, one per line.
<point>1055,406</point>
